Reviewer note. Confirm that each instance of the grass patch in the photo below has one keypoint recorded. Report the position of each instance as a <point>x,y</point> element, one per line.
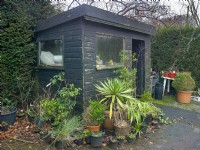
<point>169,100</point>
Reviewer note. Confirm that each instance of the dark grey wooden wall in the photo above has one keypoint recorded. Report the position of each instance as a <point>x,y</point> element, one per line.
<point>71,33</point>
<point>91,75</point>
<point>79,46</point>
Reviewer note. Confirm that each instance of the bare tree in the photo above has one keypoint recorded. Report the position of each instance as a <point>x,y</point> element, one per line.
<point>193,7</point>
<point>142,10</point>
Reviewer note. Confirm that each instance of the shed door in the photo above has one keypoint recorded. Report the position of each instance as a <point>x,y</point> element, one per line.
<point>138,47</point>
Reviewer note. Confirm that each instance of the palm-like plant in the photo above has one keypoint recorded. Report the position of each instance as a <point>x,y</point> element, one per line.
<point>115,93</point>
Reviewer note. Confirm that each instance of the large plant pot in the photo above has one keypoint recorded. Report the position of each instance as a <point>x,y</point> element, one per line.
<point>9,117</point>
<point>108,123</point>
<point>184,96</point>
<point>93,128</point>
<point>96,141</point>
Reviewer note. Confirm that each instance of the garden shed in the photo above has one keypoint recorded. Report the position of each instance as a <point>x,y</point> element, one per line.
<point>85,43</point>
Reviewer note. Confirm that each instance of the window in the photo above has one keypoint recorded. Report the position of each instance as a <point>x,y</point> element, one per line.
<point>108,50</point>
<point>51,53</point>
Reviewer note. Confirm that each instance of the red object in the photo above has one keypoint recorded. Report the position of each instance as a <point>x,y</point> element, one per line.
<point>171,75</point>
<point>166,74</point>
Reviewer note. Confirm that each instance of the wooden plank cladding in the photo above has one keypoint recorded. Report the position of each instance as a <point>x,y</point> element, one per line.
<point>78,30</point>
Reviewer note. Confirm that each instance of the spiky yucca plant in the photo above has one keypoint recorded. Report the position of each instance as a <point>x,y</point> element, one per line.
<point>114,92</point>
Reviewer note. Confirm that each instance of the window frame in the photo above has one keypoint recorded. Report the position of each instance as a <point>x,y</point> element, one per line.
<point>39,53</point>
<point>123,46</point>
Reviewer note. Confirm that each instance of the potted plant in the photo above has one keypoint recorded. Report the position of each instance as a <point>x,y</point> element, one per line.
<point>31,115</point>
<point>4,126</point>
<point>131,138</point>
<point>96,139</point>
<point>115,94</point>
<point>122,125</point>
<point>7,111</point>
<point>86,136</point>
<point>21,114</point>
<point>66,129</point>
<point>121,138</point>
<point>79,140</point>
<point>58,105</point>
<point>184,84</point>
<point>137,128</point>
<point>93,116</point>
<point>113,143</point>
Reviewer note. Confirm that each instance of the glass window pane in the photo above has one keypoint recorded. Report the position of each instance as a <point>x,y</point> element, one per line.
<point>108,49</point>
<point>51,53</point>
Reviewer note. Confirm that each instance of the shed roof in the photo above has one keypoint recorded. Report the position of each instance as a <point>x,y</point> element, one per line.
<point>96,15</point>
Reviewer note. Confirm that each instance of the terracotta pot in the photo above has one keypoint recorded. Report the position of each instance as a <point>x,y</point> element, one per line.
<point>184,96</point>
<point>166,74</point>
<point>171,75</point>
<point>108,123</point>
<point>93,128</point>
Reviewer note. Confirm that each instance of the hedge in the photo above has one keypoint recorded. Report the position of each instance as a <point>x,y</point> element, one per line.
<point>17,47</point>
<point>179,47</point>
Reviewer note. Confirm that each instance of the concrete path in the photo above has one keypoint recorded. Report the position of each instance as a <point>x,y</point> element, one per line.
<point>182,135</point>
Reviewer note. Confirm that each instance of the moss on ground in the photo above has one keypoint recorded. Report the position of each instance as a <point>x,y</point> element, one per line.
<point>169,100</point>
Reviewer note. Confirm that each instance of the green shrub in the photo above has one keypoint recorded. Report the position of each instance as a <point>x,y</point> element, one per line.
<point>58,106</point>
<point>97,112</point>
<point>183,82</point>
<point>146,97</point>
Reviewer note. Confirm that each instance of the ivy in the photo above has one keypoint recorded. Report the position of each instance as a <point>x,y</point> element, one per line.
<point>179,48</point>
